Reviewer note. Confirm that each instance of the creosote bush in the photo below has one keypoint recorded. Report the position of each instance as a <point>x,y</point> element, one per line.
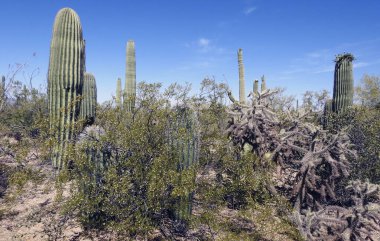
<point>138,182</point>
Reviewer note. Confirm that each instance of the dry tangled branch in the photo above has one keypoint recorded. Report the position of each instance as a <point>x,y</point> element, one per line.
<point>359,221</point>
<point>316,160</point>
<point>255,125</point>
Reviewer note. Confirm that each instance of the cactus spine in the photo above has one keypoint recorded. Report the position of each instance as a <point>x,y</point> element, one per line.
<point>130,77</point>
<point>343,83</point>
<point>89,98</point>
<point>241,77</point>
<point>65,80</point>
<point>118,93</point>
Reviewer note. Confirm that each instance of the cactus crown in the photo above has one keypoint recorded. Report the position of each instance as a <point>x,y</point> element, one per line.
<point>344,56</point>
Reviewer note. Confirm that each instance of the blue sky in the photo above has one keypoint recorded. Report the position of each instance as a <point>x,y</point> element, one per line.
<point>292,42</point>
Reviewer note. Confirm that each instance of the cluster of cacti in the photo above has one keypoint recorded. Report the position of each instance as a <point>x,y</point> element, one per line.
<point>118,93</point>
<point>130,77</point>
<point>358,218</point>
<point>89,99</point>
<point>72,93</point>
<point>253,125</point>
<point>343,83</point>
<point>242,98</point>
<point>184,140</point>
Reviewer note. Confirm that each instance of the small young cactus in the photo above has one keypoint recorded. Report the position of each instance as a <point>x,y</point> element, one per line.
<point>130,79</point>
<point>89,99</point>
<point>65,81</point>
<point>242,99</point>
<point>326,112</point>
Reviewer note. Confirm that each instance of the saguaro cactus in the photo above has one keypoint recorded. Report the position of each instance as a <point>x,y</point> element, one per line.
<point>130,77</point>
<point>2,89</point>
<point>326,112</point>
<point>89,99</point>
<point>65,81</point>
<point>343,83</point>
<point>263,84</point>
<point>255,87</point>
<point>241,77</point>
<point>183,137</point>
<point>118,93</point>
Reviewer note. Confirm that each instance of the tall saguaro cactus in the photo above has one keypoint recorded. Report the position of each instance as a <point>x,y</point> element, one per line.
<point>263,84</point>
<point>184,138</point>
<point>255,87</point>
<point>343,83</point>
<point>118,92</point>
<point>241,77</point>
<point>2,91</point>
<point>65,81</point>
<point>130,77</point>
<point>89,99</point>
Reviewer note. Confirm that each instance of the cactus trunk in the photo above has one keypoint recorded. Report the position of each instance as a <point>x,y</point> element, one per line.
<point>241,77</point>
<point>130,79</point>
<point>65,80</point>
<point>343,83</point>
<point>89,98</point>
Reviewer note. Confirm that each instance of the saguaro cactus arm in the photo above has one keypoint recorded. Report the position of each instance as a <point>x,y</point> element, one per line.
<point>89,99</point>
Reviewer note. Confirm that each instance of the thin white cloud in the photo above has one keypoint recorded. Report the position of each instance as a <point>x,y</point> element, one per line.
<point>205,45</point>
<point>203,42</point>
<point>325,69</point>
<point>361,64</point>
<point>249,10</point>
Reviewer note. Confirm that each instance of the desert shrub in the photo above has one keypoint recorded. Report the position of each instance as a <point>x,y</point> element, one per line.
<point>363,126</point>
<point>139,182</point>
